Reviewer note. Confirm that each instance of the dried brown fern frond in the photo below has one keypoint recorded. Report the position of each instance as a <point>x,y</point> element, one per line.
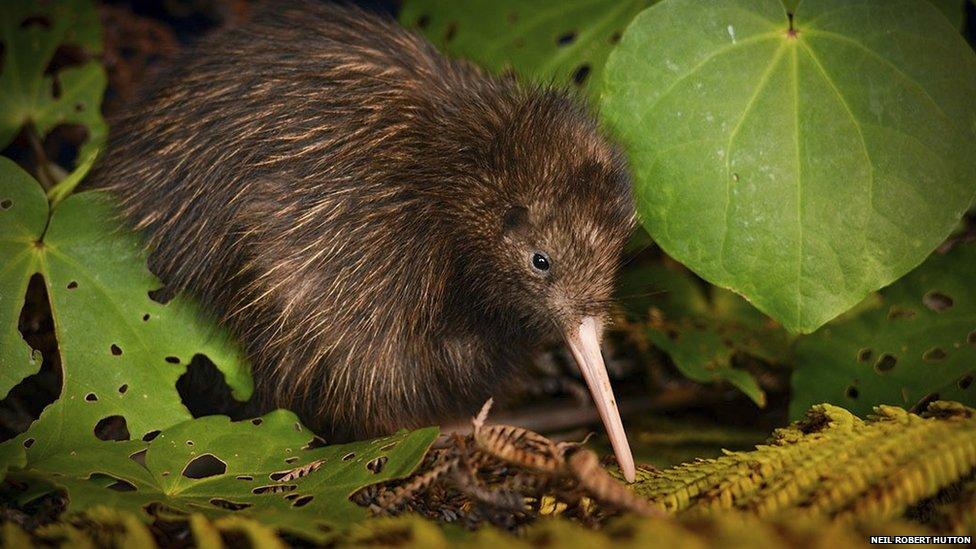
<point>507,476</point>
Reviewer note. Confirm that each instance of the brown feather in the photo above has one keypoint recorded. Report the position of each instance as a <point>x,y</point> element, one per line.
<point>338,192</point>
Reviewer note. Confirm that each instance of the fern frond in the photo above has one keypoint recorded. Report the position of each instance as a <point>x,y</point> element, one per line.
<point>829,464</point>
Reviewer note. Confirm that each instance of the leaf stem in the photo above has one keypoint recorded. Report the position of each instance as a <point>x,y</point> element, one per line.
<point>44,174</point>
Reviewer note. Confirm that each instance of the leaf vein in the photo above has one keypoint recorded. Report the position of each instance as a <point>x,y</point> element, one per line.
<point>828,35</point>
<point>763,82</point>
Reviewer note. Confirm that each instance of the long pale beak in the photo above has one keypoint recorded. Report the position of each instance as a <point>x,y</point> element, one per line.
<point>584,342</point>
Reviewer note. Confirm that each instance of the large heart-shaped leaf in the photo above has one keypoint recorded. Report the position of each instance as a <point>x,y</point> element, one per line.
<point>916,343</point>
<point>544,40</point>
<point>801,160</point>
<point>30,33</point>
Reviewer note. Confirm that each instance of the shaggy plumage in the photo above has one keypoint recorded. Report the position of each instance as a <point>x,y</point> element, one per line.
<point>363,212</point>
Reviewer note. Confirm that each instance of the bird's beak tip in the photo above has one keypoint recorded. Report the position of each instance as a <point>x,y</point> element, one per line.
<point>584,343</point>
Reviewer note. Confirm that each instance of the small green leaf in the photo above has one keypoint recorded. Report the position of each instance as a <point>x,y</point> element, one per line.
<point>702,355</point>
<point>800,169</point>
<point>702,329</point>
<point>544,40</point>
<point>31,33</point>
<point>918,340</point>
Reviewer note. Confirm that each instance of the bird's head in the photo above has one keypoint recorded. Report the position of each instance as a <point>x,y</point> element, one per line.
<point>548,241</point>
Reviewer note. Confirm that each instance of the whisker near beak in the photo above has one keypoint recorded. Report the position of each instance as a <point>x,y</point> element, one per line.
<point>584,343</point>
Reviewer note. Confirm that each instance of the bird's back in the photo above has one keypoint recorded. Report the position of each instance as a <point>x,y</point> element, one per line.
<point>278,170</point>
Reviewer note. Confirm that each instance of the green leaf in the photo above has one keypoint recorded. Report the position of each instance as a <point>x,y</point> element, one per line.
<point>802,171</point>
<point>703,329</point>
<point>546,41</point>
<point>918,340</point>
<point>217,467</point>
<point>702,355</point>
<point>117,346</point>
<point>23,214</point>
<point>11,455</point>
<point>121,354</point>
<point>31,32</point>
<point>954,10</point>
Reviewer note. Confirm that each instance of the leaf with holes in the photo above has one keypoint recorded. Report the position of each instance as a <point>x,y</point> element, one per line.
<point>121,352</point>
<point>30,33</point>
<point>546,41</point>
<point>263,468</point>
<point>119,433</point>
<point>802,161</point>
<point>23,214</point>
<point>705,331</point>
<point>918,343</point>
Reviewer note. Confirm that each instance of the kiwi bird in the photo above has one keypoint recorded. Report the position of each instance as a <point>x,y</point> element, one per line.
<point>389,232</point>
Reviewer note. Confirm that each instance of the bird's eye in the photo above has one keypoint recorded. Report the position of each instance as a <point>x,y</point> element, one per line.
<point>540,262</point>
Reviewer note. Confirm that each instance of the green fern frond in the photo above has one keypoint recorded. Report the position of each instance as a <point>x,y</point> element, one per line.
<point>832,464</point>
